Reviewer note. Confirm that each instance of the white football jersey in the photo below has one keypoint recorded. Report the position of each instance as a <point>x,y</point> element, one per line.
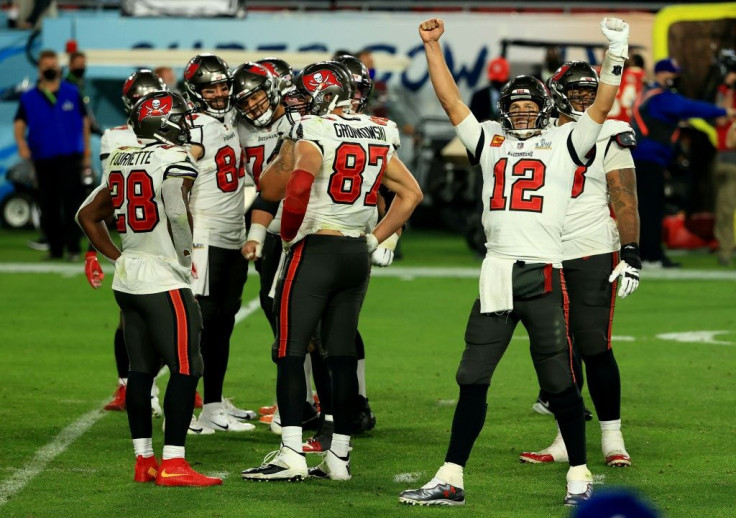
<point>526,186</point>
<point>260,146</point>
<point>217,201</point>
<point>355,151</point>
<point>589,228</point>
<point>134,176</point>
<point>113,138</point>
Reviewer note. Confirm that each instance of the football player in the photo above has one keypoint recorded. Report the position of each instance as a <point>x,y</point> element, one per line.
<point>339,162</point>
<point>136,86</point>
<point>282,70</point>
<point>217,204</point>
<point>262,126</point>
<point>146,188</point>
<point>591,241</point>
<point>528,171</point>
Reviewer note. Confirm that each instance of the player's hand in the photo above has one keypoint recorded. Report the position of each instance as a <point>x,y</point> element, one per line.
<point>371,242</point>
<point>252,250</point>
<point>93,270</point>
<point>382,257</point>
<point>629,278</point>
<point>431,30</point>
<point>616,32</point>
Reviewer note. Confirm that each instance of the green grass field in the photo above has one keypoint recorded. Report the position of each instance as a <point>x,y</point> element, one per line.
<point>61,455</point>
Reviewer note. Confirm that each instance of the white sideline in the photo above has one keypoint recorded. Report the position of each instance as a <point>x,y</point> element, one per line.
<point>402,272</point>
<point>74,431</point>
<point>47,453</point>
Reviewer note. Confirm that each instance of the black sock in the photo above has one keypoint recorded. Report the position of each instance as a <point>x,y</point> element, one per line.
<point>178,407</point>
<point>138,404</point>
<point>322,381</point>
<point>344,391</point>
<point>291,389</point>
<point>121,354</point>
<point>215,354</point>
<point>568,409</point>
<point>470,416</point>
<point>359,346</point>
<point>604,385</point>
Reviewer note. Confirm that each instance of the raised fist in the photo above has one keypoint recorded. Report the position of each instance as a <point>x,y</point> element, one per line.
<point>616,32</point>
<point>431,30</point>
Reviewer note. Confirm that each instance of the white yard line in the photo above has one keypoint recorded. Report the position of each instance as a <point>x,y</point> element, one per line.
<point>402,272</point>
<point>21,478</point>
<point>244,312</point>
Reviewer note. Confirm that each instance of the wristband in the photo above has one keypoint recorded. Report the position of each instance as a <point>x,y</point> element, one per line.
<point>256,233</point>
<point>630,254</point>
<point>612,69</point>
<point>390,242</point>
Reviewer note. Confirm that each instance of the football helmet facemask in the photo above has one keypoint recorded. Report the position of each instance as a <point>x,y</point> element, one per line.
<point>525,88</point>
<point>205,71</point>
<point>138,84</point>
<point>161,116</point>
<point>361,78</point>
<point>282,70</point>
<point>255,94</point>
<point>578,76</point>
<point>319,89</point>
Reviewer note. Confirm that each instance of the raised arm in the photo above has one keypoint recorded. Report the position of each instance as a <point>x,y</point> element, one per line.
<point>616,32</point>
<point>442,81</point>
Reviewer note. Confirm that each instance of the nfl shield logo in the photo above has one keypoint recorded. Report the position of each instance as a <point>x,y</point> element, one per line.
<point>520,145</point>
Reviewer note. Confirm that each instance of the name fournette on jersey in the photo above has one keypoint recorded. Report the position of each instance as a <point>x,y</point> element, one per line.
<point>371,132</point>
<point>136,158</point>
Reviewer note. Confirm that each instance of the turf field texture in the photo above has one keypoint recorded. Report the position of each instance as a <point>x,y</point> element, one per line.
<point>61,455</point>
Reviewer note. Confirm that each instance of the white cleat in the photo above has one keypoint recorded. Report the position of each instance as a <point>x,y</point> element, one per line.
<point>155,403</point>
<point>579,487</point>
<point>332,467</point>
<point>614,449</point>
<point>238,413</point>
<point>197,428</point>
<point>283,464</point>
<point>275,425</point>
<point>555,452</point>
<point>215,417</point>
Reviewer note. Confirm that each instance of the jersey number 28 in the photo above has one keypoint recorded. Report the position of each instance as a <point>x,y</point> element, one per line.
<point>137,190</point>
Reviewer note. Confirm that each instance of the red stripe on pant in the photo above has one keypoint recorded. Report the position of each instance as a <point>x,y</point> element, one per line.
<point>547,278</point>
<point>566,310</point>
<point>182,332</point>
<point>286,296</point>
<point>614,285</point>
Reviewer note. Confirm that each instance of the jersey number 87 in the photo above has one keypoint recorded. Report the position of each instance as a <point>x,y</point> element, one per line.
<point>349,166</point>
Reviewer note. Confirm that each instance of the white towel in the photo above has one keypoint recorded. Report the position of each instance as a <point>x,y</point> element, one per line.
<point>279,268</point>
<point>496,286</point>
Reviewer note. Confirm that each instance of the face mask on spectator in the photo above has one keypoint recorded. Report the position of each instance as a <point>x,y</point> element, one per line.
<point>49,74</point>
<point>78,72</point>
<point>673,83</point>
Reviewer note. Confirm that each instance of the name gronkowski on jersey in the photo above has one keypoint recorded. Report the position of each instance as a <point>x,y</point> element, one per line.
<point>589,228</point>
<point>134,176</point>
<point>355,152</point>
<point>526,186</point>
<point>217,201</point>
<point>260,146</point>
<point>113,138</point>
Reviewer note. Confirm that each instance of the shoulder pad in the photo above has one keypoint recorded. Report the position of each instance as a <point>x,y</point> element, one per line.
<point>626,139</point>
<point>612,127</point>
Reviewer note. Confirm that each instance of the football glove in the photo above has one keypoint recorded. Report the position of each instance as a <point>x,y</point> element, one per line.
<point>616,32</point>
<point>93,270</point>
<point>253,248</point>
<point>383,255</point>
<point>627,270</point>
<point>371,242</point>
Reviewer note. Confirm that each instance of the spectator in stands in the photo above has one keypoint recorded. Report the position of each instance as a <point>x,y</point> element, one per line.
<point>656,116</point>
<point>52,129</point>
<point>484,103</point>
<point>725,171</point>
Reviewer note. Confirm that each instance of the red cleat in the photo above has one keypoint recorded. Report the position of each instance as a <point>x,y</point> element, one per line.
<point>618,459</point>
<point>267,410</point>
<point>266,419</point>
<point>533,457</point>
<point>146,469</point>
<point>177,472</point>
<point>198,403</point>
<point>118,399</point>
